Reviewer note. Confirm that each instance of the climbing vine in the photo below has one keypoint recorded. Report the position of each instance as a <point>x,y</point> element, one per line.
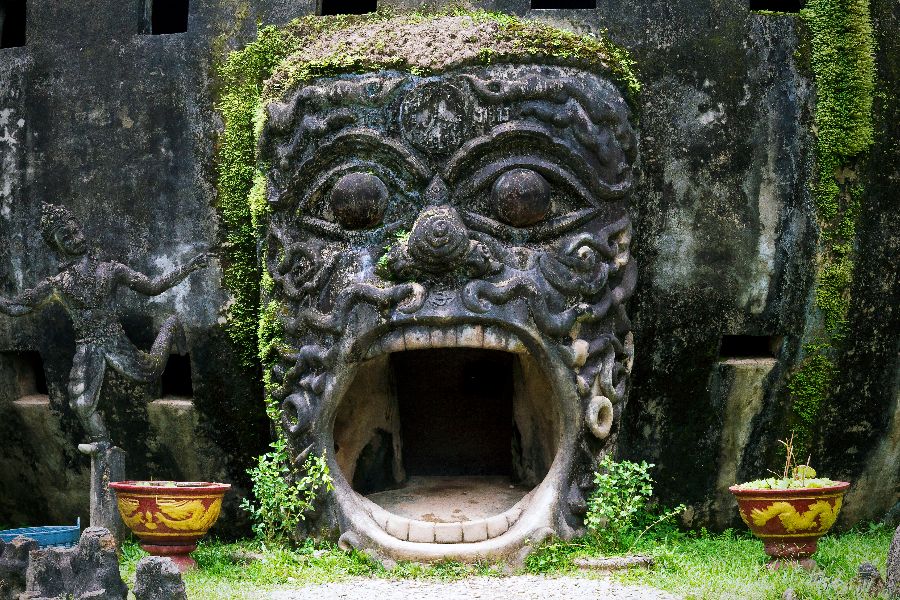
<point>843,65</point>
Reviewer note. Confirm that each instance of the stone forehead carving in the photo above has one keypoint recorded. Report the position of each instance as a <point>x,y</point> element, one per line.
<point>483,207</point>
<point>568,124</point>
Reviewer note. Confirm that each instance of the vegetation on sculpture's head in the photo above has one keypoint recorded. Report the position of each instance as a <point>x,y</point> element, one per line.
<point>284,57</point>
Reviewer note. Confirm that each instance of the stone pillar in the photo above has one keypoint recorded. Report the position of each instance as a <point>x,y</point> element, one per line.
<point>107,465</point>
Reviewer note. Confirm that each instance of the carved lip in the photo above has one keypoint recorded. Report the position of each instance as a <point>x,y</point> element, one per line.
<point>496,534</point>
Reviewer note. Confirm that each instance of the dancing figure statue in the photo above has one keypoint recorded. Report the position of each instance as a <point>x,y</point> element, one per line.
<point>87,287</point>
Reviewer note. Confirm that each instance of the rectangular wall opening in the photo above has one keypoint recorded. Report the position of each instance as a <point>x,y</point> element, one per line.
<point>23,372</point>
<point>165,16</point>
<point>348,7</point>
<point>787,6</point>
<point>12,23</point>
<point>563,4</point>
<point>176,378</point>
<point>749,346</point>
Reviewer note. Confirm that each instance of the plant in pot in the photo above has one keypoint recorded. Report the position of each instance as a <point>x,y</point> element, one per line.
<point>791,512</point>
<point>170,517</point>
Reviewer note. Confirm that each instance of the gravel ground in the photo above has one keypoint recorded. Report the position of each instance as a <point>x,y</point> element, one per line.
<point>524,587</point>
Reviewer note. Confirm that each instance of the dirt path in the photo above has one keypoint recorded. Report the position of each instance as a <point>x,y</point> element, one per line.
<point>523,587</point>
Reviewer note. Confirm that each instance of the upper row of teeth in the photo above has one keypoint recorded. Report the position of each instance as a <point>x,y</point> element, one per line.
<point>420,337</point>
<point>412,530</point>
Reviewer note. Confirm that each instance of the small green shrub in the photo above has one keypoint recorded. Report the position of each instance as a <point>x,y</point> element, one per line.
<point>619,509</point>
<point>283,500</point>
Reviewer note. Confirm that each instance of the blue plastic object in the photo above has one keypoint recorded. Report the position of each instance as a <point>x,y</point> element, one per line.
<point>63,536</point>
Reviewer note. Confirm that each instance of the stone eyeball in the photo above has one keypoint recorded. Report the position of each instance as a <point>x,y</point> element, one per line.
<point>358,200</point>
<point>521,197</point>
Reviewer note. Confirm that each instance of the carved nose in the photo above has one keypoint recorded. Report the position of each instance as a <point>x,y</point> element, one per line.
<point>439,240</point>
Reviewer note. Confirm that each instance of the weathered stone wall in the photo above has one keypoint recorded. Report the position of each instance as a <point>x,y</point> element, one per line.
<point>121,128</point>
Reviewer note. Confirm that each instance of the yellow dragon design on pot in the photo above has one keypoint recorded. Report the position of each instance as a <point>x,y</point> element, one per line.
<point>793,520</point>
<point>177,515</point>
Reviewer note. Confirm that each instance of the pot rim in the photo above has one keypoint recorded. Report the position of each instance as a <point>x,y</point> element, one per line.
<point>181,488</point>
<point>839,486</point>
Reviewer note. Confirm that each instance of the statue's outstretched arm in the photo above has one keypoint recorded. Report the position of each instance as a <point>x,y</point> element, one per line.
<point>152,287</point>
<point>28,300</point>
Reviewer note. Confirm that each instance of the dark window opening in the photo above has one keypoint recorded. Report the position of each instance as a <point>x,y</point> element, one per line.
<point>165,16</point>
<point>789,6</point>
<point>26,371</point>
<point>563,4</point>
<point>348,7</point>
<point>12,23</point>
<point>176,379</point>
<point>749,346</point>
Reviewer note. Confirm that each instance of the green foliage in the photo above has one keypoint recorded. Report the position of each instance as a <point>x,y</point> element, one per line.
<point>809,386</point>
<point>241,77</point>
<point>843,65</point>
<point>619,509</point>
<point>732,565</point>
<point>283,501</point>
<point>401,236</point>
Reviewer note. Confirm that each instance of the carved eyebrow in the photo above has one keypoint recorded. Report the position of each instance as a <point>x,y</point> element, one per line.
<point>312,173</point>
<point>368,140</point>
<point>566,162</point>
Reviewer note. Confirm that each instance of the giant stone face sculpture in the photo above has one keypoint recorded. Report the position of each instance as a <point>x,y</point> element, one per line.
<point>450,258</point>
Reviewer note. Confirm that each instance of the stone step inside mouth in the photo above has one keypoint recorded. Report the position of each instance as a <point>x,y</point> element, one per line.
<point>451,499</point>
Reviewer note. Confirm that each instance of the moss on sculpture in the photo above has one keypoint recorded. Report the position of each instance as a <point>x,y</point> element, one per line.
<point>283,57</point>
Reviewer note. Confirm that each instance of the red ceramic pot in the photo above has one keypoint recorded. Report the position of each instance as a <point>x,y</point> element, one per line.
<point>790,522</point>
<point>169,517</point>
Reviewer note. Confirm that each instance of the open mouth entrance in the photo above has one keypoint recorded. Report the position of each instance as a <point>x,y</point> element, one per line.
<point>455,436</point>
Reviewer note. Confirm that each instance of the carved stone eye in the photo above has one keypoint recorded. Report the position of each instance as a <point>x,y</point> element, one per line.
<point>358,200</point>
<point>521,197</point>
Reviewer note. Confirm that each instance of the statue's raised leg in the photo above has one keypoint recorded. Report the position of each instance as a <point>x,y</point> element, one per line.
<point>140,366</point>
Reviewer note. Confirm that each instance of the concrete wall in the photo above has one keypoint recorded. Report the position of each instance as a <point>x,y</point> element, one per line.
<point>121,128</point>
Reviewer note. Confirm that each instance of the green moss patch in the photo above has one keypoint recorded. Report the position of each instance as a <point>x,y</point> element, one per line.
<point>843,64</point>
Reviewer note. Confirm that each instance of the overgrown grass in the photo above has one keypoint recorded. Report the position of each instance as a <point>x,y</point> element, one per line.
<point>692,565</point>
<point>733,565</point>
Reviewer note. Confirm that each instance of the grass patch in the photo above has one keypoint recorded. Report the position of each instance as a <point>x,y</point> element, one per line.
<point>693,565</point>
<point>733,565</point>
<point>246,569</point>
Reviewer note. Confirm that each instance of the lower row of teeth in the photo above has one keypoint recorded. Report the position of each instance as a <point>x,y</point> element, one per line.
<point>412,530</point>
